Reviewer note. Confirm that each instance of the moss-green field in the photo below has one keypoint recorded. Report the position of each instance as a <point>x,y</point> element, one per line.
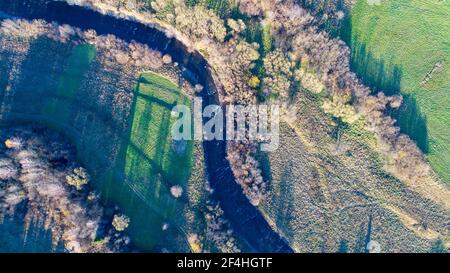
<point>395,45</point>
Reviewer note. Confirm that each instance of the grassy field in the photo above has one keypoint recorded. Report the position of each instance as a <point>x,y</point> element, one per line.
<point>132,165</point>
<point>329,193</point>
<point>395,45</point>
<point>70,81</point>
<point>150,165</point>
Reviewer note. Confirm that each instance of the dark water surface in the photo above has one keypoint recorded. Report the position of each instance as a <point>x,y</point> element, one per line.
<point>246,220</point>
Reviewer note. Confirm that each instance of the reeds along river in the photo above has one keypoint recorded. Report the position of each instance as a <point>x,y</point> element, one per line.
<point>245,219</point>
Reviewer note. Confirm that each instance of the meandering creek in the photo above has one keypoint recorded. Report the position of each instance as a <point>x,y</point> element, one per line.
<point>246,220</point>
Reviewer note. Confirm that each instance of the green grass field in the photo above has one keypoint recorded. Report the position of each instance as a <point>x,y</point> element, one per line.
<point>395,45</point>
<point>150,165</point>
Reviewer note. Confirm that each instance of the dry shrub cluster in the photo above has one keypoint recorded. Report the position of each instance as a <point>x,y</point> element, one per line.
<point>114,49</point>
<point>34,164</point>
<point>217,234</point>
<point>132,53</point>
<point>247,170</point>
<point>279,73</point>
<point>199,23</point>
<point>250,7</point>
<point>218,230</point>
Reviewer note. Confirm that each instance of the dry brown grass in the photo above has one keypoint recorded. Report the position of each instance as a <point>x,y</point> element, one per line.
<point>322,199</point>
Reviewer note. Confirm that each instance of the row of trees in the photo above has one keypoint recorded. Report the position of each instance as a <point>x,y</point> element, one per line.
<point>216,235</point>
<point>114,49</point>
<point>247,170</point>
<point>218,230</point>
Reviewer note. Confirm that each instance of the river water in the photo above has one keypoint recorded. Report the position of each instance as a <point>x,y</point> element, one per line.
<point>246,220</point>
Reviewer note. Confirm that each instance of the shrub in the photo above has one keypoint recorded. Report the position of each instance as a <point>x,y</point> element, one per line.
<point>120,222</point>
<point>78,178</point>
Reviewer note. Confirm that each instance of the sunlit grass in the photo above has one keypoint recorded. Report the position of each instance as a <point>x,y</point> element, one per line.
<point>411,36</point>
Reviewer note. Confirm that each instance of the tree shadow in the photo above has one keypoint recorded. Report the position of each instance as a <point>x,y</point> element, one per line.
<point>374,72</point>
<point>364,236</point>
<point>343,246</point>
<point>17,236</point>
<point>413,122</point>
<point>382,76</point>
<point>285,203</point>
<point>345,29</point>
<point>266,170</point>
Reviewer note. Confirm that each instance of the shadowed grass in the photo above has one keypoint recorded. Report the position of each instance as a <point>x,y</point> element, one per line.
<point>70,81</point>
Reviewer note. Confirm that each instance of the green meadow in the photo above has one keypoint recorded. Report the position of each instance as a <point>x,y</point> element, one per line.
<point>395,45</point>
<point>150,165</point>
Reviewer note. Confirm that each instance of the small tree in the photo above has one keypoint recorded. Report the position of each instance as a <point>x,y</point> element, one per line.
<point>78,178</point>
<point>176,191</point>
<point>167,59</point>
<point>13,143</point>
<point>120,222</point>
<point>254,82</point>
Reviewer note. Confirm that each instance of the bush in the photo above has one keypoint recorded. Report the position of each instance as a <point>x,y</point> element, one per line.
<point>78,178</point>
<point>120,222</point>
